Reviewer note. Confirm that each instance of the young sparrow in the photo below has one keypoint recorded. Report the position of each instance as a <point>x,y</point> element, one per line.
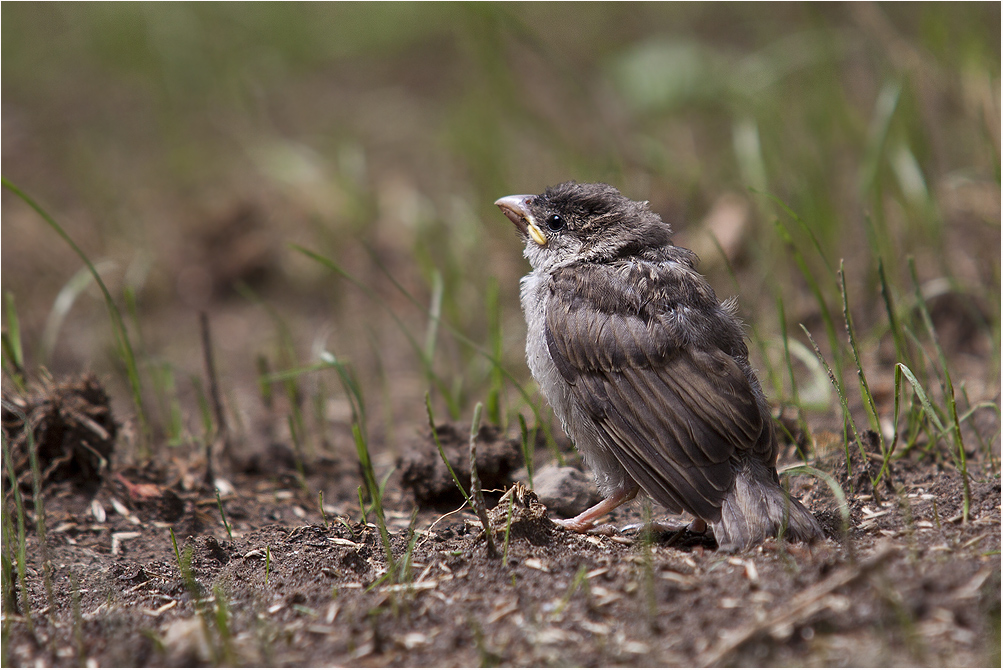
<point>647,371</point>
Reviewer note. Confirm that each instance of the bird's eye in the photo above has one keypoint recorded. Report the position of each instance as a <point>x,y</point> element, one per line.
<point>555,222</point>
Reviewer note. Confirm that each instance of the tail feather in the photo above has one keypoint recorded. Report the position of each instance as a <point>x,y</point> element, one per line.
<point>757,508</point>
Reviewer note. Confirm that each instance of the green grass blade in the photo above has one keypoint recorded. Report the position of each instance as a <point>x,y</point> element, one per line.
<point>896,410</point>
<point>406,573</point>
<point>13,352</point>
<point>789,363</point>
<point>949,396</point>
<point>442,452</point>
<point>476,493</point>
<point>435,315</point>
<point>14,348</point>
<point>123,344</point>
<point>847,417</point>
<point>40,517</point>
<point>174,543</point>
<point>508,527</point>
<point>222,514</point>
<point>865,391</point>
<point>923,398</point>
<point>958,455</point>
<point>351,385</point>
<point>901,350</point>
<point>165,391</point>
<point>369,477</point>
<point>320,507</point>
<point>21,554</point>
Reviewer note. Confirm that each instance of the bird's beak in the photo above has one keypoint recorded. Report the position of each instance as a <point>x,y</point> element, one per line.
<point>516,208</point>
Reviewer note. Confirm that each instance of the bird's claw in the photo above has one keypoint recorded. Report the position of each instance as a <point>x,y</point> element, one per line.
<point>607,529</point>
<point>697,527</point>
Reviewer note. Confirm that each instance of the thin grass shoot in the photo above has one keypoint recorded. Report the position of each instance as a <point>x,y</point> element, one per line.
<point>442,452</point>
<point>508,529</point>
<point>21,555</point>
<point>122,341</point>
<point>952,406</point>
<point>222,514</point>
<point>847,417</point>
<point>476,493</point>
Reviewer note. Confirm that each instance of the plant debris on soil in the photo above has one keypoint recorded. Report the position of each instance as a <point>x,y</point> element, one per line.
<point>424,473</point>
<point>262,574</point>
<point>73,433</point>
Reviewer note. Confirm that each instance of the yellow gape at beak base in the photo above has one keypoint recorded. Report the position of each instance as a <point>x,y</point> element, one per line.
<point>536,234</point>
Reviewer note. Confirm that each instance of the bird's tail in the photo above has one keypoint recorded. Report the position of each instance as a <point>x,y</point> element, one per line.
<point>757,507</point>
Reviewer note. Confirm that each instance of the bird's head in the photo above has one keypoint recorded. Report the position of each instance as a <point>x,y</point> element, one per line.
<point>574,222</point>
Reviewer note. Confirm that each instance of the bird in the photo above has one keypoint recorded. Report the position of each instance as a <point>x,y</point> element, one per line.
<point>647,371</point>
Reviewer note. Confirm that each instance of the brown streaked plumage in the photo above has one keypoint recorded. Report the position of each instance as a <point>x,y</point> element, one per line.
<point>647,371</point>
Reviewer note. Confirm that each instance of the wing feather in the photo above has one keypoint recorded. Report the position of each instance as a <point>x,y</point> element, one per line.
<point>673,412</point>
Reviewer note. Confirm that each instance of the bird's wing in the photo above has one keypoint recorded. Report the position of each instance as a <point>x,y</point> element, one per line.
<point>671,411</point>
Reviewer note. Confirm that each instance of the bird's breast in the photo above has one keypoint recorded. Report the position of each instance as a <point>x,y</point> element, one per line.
<point>579,425</point>
<point>534,305</point>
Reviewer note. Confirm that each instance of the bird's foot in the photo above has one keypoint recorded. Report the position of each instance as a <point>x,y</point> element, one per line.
<point>588,527</point>
<point>697,527</point>
<point>586,521</point>
<point>607,529</point>
<point>577,524</point>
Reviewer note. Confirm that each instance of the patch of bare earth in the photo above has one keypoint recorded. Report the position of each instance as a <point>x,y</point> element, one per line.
<point>911,583</point>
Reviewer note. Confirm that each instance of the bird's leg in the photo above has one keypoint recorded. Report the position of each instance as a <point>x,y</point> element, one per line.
<point>587,519</point>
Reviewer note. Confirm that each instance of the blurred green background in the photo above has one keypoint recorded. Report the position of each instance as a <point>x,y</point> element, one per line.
<point>186,146</point>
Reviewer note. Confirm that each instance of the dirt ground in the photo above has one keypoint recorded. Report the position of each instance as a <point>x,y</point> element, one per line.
<point>910,583</point>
